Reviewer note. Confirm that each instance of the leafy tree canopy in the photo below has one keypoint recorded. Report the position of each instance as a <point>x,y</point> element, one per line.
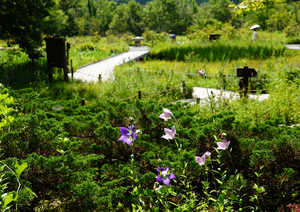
<point>21,21</point>
<point>249,5</point>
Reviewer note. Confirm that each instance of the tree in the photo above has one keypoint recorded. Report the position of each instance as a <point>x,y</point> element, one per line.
<point>119,24</point>
<point>105,13</point>
<point>22,22</point>
<point>219,10</point>
<point>249,5</point>
<point>154,17</point>
<point>135,17</point>
<point>56,22</point>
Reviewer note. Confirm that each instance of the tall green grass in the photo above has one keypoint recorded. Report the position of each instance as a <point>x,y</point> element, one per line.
<point>218,50</point>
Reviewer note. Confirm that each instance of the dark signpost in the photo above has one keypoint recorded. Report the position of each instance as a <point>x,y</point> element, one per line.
<point>56,55</point>
<point>214,37</point>
<point>245,73</point>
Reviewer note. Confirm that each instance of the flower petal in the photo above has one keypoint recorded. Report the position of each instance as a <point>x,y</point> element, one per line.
<point>207,154</point>
<point>131,128</point>
<point>169,134</point>
<point>166,114</point>
<point>124,131</point>
<point>167,111</point>
<point>125,139</point>
<point>134,136</point>
<point>167,181</point>
<point>172,176</point>
<point>200,160</point>
<point>158,178</point>
<point>223,145</point>
<point>173,131</point>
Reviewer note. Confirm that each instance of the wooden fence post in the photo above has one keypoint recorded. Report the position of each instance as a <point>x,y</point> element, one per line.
<point>82,101</point>
<point>198,101</point>
<point>183,87</point>
<point>140,94</point>
<point>72,71</point>
<point>100,78</point>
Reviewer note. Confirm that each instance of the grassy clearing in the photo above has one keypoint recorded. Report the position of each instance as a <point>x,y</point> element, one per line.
<point>154,75</point>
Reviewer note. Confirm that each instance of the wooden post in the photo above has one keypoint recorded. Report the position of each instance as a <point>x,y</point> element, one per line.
<point>224,81</point>
<point>183,88</point>
<point>50,74</point>
<point>72,71</point>
<point>82,102</point>
<point>198,101</point>
<point>140,94</point>
<point>68,47</point>
<point>100,78</point>
<point>138,70</point>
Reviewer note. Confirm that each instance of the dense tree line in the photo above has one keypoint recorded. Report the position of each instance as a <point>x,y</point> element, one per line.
<point>26,22</point>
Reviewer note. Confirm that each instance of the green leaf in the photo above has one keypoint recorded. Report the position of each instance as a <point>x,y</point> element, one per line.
<point>20,169</point>
<point>8,199</point>
<point>205,184</point>
<point>134,208</point>
<point>219,181</point>
<point>212,199</point>
<point>221,199</point>
<point>30,191</point>
<point>233,197</point>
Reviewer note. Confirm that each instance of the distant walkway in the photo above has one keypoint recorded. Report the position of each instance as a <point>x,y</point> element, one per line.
<point>204,93</point>
<point>105,68</point>
<point>293,46</point>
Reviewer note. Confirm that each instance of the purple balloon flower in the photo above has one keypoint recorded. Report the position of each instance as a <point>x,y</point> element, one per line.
<point>223,145</point>
<point>201,73</point>
<point>128,134</point>
<point>166,114</point>
<point>170,134</point>
<point>165,175</point>
<point>201,160</point>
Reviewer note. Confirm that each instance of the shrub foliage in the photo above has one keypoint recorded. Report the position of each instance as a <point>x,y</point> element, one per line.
<point>76,163</point>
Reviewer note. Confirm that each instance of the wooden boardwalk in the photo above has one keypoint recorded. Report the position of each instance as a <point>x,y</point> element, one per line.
<point>105,68</point>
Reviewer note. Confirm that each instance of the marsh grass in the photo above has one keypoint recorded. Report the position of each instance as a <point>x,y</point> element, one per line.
<point>218,50</point>
<point>153,77</point>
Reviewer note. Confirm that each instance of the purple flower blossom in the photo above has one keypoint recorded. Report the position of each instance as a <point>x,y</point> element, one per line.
<point>170,134</point>
<point>165,175</point>
<point>201,73</point>
<point>201,160</point>
<point>166,114</point>
<point>223,145</point>
<point>128,134</point>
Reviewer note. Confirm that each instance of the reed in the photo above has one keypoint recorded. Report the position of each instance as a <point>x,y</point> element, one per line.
<point>219,50</point>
